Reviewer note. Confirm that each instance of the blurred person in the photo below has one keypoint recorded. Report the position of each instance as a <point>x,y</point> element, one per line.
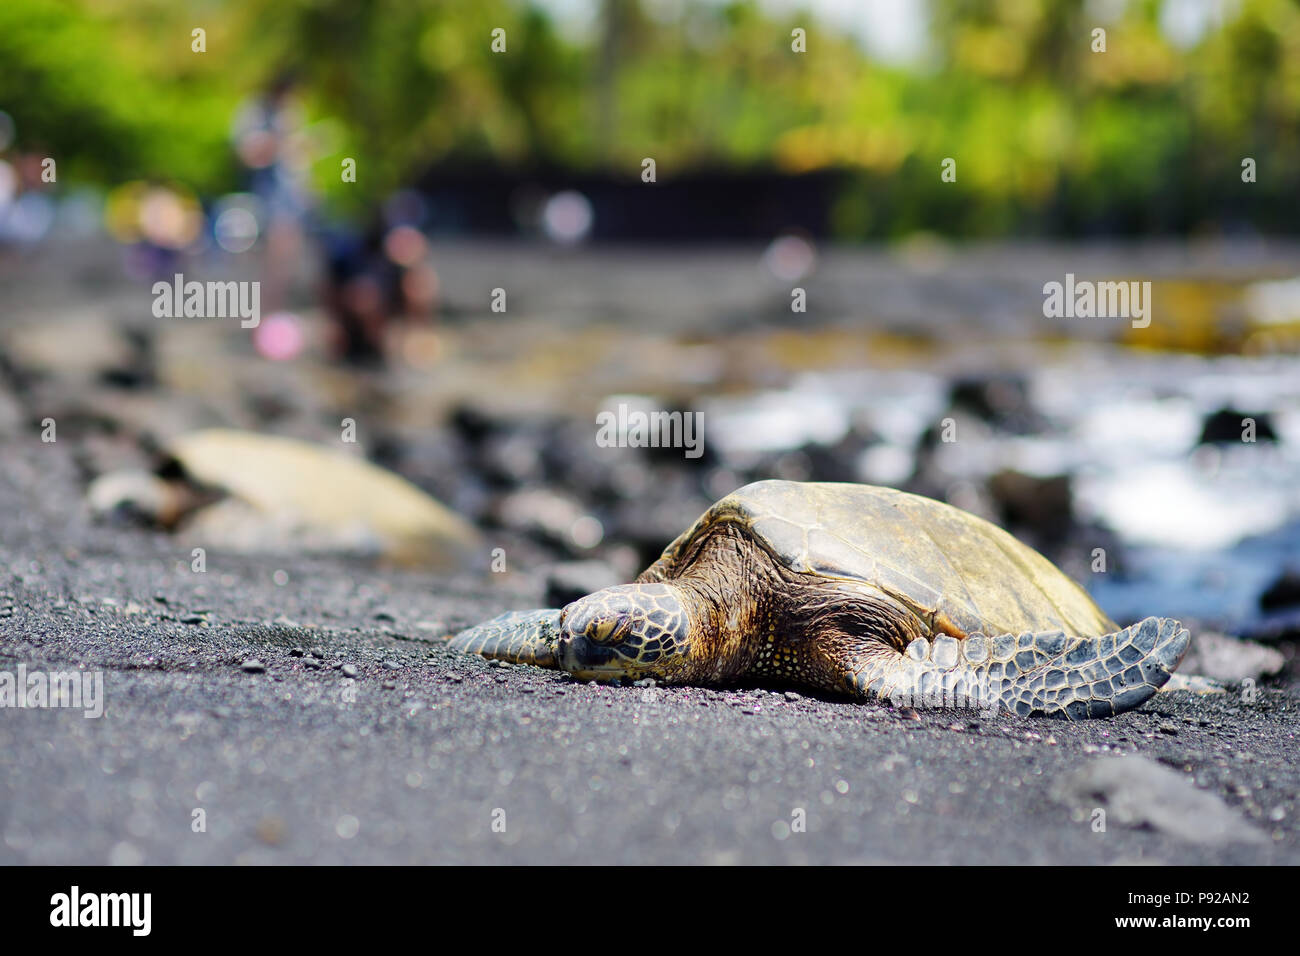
<point>270,140</point>
<point>358,292</point>
<point>26,207</point>
<point>373,277</point>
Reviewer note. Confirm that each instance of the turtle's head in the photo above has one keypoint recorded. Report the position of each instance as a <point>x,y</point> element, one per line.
<point>633,631</point>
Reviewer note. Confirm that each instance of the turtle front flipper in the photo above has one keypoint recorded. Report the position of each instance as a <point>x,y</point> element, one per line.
<point>1043,674</point>
<point>521,637</point>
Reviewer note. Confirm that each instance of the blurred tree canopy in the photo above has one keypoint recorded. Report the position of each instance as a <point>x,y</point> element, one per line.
<point>1048,135</point>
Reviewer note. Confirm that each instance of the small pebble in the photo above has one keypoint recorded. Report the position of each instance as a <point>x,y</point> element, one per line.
<point>253,666</point>
<point>349,670</point>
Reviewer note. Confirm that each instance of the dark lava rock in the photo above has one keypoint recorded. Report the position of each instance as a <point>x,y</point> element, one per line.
<point>1225,427</point>
<point>540,513</point>
<point>1273,628</point>
<point>1043,506</point>
<point>571,580</point>
<point>1282,593</point>
<point>839,461</point>
<point>999,399</point>
<point>474,424</point>
<point>511,459</point>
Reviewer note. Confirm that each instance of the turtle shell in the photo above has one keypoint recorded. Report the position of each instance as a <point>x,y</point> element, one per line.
<point>957,572</point>
<point>319,493</point>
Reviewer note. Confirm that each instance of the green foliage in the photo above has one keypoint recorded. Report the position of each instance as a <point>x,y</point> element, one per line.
<point>1047,134</point>
<point>113,91</point>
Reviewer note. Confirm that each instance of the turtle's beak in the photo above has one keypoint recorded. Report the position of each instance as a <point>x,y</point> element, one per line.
<point>562,659</point>
<point>584,658</point>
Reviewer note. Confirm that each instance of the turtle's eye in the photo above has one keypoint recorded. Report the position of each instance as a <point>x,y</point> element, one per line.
<point>607,630</point>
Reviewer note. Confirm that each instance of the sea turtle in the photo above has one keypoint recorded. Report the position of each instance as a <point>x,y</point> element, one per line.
<point>249,492</point>
<point>857,589</point>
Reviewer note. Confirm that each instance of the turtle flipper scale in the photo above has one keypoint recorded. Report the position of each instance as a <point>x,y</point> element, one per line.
<point>521,637</point>
<point>1043,674</point>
